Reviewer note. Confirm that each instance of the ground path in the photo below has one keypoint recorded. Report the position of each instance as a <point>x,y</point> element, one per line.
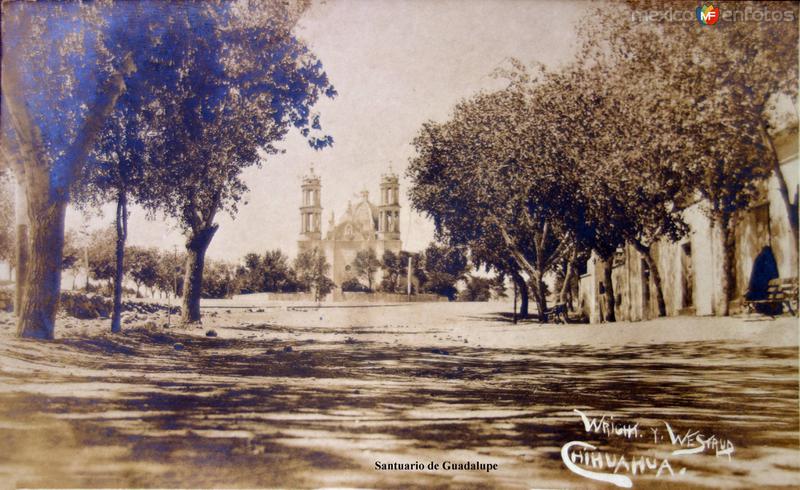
<point>420,382</point>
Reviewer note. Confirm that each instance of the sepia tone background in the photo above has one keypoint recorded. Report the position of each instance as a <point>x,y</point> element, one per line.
<point>287,389</point>
<point>395,66</point>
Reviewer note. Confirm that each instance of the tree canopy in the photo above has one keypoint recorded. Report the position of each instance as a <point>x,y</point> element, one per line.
<point>611,148</point>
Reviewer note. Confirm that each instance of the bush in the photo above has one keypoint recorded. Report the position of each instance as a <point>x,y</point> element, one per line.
<point>6,299</point>
<point>352,285</point>
<point>88,306</point>
<point>85,306</point>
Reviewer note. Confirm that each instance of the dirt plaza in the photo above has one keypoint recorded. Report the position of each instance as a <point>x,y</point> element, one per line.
<point>298,396</point>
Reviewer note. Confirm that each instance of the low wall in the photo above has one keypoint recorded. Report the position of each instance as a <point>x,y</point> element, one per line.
<point>259,297</point>
<point>341,296</point>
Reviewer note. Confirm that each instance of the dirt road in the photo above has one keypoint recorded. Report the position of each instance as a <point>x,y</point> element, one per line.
<point>310,398</point>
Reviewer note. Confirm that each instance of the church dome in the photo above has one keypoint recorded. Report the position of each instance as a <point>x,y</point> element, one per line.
<point>366,215</point>
<point>359,222</point>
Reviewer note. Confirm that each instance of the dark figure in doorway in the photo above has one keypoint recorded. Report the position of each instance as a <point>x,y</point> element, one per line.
<point>765,268</point>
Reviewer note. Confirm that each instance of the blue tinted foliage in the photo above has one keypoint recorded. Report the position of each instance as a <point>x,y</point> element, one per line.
<point>197,66</point>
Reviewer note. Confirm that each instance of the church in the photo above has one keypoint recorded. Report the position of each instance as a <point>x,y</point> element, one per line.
<point>363,226</point>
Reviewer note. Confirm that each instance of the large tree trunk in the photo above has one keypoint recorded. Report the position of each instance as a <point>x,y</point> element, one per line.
<point>48,193</point>
<point>791,207</point>
<point>522,288</point>
<point>21,215</point>
<point>647,253</point>
<point>534,272</point>
<point>514,311</point>
<point>565,286</point>
<point>196,247</point>
<point>122,234</point>
<point>43,279</point>
<point>611,315</point>
<point>727,226</point>
<point>541,299</point>
<point>662,305</point>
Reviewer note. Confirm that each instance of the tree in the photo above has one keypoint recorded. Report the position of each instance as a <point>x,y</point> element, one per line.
<point>490,252</point>
<point>707,98</point>
<point>593,114</point>
<point>522,289</point>
<point>249,81</point>
<point>7,235</point>
<point>113,172</point>
<point>11,165</point>
<point>65,67</point>
<point>170,269</point>
<point>252,276</point>
<point>218,282</point>
<point>312,270</point>
<point>477,289</point>
<point>72,256</point>
<point>474,175</point>
<point>102,255</point>
<point>444,267</point>
<point>567,280</point>
<point>143,264</point>
<point>277,273</point>
<point>62,74</point>
<point>366,264</point>
<point>393,268</point>
<point>270,272</point>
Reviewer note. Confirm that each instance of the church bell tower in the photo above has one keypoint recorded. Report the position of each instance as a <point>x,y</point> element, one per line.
<point>310,210</point>
<point>389,209</point>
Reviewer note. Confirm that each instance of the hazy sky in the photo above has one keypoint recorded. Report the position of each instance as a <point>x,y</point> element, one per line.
<point>395,64</point>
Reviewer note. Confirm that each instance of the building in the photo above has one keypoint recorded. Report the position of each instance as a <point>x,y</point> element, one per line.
<point>691,269</point>
<point>362,226</point>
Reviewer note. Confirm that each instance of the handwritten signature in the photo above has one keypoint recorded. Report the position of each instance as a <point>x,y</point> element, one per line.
<point>589,461</point>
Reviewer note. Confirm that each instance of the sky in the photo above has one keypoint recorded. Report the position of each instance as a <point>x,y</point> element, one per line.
<point>395,64</point>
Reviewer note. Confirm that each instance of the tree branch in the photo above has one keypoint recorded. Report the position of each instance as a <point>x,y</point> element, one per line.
<point>76,155</point>
<point>522,262</point>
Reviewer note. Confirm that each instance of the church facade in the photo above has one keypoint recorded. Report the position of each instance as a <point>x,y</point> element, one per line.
<point>364,225</point>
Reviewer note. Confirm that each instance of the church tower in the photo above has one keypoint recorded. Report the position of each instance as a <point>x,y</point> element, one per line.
<point>310,211</point>
<point>389,209</point>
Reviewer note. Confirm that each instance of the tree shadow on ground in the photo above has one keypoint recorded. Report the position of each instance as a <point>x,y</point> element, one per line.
<point>233,412</point>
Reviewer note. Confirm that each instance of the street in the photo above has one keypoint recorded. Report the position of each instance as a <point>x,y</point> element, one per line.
<point>272,403</point>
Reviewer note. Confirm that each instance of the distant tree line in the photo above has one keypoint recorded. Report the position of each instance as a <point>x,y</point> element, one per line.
<point>157,273</point>
<point>436,270</point>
